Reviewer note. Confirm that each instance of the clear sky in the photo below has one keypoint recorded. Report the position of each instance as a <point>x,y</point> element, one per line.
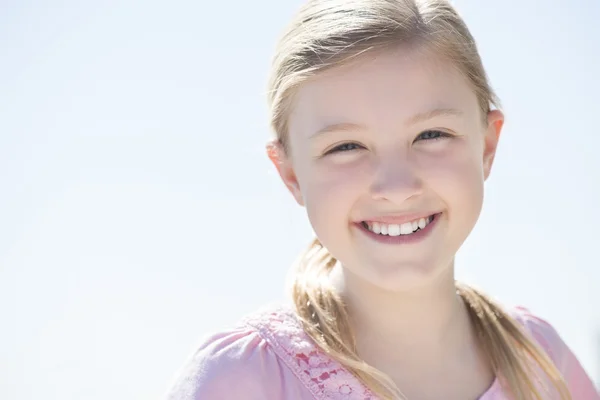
<point>138,211</point>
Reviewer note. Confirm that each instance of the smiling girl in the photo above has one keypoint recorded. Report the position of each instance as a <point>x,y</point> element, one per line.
<point>386,130</point>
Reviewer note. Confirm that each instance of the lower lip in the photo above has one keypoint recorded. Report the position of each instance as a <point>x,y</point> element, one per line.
<point>416,237</point>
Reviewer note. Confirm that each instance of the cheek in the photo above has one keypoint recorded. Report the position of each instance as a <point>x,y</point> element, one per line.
<point>330,191</point>
<point>333,181</point>
<point>457,175</point>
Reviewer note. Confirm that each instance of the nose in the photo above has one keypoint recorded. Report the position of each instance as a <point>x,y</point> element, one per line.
<point>395,179</point>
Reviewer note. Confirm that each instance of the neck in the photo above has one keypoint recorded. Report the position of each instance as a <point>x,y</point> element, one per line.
<point>428,322</point>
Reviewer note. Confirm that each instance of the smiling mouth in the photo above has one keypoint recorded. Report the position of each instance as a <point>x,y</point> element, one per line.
<point>405,229</point>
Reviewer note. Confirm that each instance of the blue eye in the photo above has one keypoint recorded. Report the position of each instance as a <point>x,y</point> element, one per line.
<point>344,147</point>
<point>432,135</point>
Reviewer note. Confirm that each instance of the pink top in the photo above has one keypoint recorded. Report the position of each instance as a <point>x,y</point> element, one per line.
<point>269,356</point>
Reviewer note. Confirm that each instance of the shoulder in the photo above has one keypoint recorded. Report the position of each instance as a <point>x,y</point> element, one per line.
<point>551,342</point>
<point>266,355</point>
<point>543,333</point>
<point>216,363</point>
<point>232,363</point>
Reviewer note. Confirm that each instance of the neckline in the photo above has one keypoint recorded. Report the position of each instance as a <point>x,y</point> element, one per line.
<point>280,326</point>
<point>491,391</point>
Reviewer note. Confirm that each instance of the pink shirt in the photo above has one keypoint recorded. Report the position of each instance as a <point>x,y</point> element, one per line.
<point>268,356</point>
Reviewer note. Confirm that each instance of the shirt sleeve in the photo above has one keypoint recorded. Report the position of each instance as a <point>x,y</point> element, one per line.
<point>579,383</point>
<point>236,364</point>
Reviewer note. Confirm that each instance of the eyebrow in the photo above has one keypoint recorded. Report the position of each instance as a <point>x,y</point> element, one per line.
<point>438,112</point>
<point>420,117</point>
<point>341,127</point>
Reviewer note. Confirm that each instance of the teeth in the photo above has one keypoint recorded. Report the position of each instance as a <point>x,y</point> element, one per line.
<point>396,230</point>
<point>405,229</point>
<point>384,229</point>
<point>376,227</point>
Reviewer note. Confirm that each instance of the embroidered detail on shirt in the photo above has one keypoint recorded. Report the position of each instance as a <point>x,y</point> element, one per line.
<point>323,376</point>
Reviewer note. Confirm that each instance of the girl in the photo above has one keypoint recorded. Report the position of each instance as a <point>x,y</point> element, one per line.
<point>386,129</point>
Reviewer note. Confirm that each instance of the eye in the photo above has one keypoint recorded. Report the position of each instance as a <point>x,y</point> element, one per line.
<point>344,147</point>
<point>432,135</point>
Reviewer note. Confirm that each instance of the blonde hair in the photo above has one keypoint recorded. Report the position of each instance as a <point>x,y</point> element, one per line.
<point>329,33</point>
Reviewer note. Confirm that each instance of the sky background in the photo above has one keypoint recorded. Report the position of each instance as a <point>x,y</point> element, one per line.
<point>138,211</point>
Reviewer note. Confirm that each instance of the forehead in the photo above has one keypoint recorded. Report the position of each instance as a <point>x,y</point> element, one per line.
<point>380,90</point>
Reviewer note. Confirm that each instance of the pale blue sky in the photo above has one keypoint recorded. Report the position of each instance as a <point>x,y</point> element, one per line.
<point>138,210</point>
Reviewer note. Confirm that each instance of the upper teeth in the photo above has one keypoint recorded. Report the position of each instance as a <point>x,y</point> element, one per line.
<point>398,229</point>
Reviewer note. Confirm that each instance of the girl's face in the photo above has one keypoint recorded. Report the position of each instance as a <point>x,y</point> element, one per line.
<point>382,147</point>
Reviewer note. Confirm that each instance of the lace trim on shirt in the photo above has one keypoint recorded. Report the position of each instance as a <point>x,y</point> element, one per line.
<point>323,376</point>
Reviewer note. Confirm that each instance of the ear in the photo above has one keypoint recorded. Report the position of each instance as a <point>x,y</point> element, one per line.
<point>495,120</point>
<point>283,163</point>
